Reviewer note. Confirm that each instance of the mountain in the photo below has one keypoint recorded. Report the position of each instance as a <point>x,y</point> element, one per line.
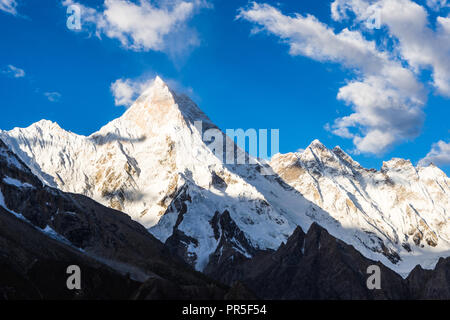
<point>317,266</point>
<point>313,266</point>
<point>405,206</point>
<point>156,164</point>
<point>44,230</point>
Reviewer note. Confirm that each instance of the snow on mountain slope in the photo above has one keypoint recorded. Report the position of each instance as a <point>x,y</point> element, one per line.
<point>142,161</point>
<point>153,164</point>
<point>406,206</point>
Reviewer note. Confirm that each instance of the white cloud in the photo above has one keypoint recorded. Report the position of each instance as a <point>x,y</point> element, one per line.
<point>14,71</point>
<point>384,112</point>
<point>126,91</point>
<point>52,96</point>
<point>408,23</point>
<point>439,154</point>
<point>143,26</point>
<point>9,6</point>
<point>339,8</point>
<point>386,98</point>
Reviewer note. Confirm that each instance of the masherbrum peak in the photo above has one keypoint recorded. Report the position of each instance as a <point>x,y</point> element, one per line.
<point>158,104</point>
<point>153,164</point>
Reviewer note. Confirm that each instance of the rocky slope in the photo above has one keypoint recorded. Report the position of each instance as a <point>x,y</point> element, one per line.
<point>43,231</point>
<point>317,266</point>
<point>155,164</point>
<point>313,266</point>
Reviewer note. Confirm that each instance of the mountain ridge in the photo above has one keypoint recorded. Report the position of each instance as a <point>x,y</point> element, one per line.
<point>154,164</point>
<point>43,231</point>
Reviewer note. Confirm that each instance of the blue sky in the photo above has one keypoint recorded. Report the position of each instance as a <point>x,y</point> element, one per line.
<point>286,74</point>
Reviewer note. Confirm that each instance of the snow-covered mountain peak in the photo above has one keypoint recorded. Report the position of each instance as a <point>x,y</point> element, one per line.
<point>46,124</point>
<point>316,144</point>
<point>317,155</point>
<point>397,164</point>
<point>153,164</point>
<point>404,209</point>
<point>157,103</point>
<point>400,171</point>
<point>159,106</point>
<point>159,81</point>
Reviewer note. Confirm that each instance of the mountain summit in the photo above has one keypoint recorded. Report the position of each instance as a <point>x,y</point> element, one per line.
<point>406,208</point>
<point>153,164</point>
<point>159,106</point>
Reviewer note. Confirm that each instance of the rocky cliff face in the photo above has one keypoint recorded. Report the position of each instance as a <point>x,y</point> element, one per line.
<point>431,284</point>
<point>314,266</point>
<point>317,266</point>
<point>44,230</point>
<point>155,164</point>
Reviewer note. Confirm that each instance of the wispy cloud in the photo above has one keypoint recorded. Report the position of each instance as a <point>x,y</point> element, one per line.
<point>437,4</point>
<point>9,6</point>
<point>53,96</point>
<point>126,91</point>
<point>439,154</point>
<point>386,96</point>
<point>13,71</point>
<point>143,26</point>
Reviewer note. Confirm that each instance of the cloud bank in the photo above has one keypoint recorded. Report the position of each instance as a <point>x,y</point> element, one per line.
<point>143,26</point>
<point>385,95</point>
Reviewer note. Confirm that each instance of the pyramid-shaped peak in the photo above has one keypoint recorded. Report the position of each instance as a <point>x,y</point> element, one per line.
<point>157,85</point>
<point>159,81</point>
<point>316,144</point>
<point>316,152</point>
<point>155,90</point>
<point>159,105</point>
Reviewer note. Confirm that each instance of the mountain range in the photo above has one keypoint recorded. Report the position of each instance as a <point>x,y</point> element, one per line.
<point>147,199</point>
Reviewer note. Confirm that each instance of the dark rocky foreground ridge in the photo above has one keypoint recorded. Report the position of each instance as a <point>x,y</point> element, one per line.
<point>119,259</point>
<point>43,231</point>
<point>318,266</point>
